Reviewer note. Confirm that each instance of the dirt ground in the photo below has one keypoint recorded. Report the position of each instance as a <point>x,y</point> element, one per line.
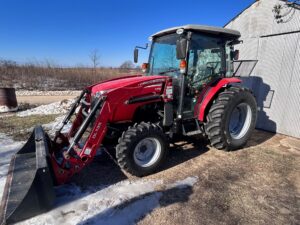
<point>39,100</point>
<point>259,184</point>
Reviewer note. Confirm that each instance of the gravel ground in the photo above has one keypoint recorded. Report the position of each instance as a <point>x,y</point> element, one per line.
<point>44,97</point>
<point>47,93</point>
<point>42,100</point>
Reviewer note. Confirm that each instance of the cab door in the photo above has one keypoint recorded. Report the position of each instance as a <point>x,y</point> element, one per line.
<point>205,64</point>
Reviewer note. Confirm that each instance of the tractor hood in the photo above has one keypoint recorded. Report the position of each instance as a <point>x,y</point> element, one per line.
<point>124,81</point>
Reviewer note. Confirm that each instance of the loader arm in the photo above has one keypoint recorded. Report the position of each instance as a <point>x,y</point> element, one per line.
<point>74,157</point>
<point>42,163</point>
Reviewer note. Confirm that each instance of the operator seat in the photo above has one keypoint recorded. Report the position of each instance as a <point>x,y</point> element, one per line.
<point>207,65</point>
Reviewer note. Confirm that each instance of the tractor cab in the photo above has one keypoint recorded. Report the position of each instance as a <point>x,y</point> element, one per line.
<point>194,56</point>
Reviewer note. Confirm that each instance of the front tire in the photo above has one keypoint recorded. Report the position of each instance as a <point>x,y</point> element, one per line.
<point>142,149</point>
<point>231,119</point>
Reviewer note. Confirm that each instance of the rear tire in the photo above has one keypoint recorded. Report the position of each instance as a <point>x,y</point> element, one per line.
<point>142,149</point>
<point>231,119</point>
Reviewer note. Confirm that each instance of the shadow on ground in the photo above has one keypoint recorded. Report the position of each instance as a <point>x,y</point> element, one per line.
<point>104,171</point>
<point>101,173</point>
<point>259,137</point>
<point>135,209</point>
<point>188,148</point>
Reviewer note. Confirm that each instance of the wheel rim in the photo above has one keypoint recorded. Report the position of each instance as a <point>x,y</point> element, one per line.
<point>146,152</point>
<point>240,121</point>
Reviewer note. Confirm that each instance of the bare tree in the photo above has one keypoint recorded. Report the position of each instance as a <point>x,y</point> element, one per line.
<point>127,65</point>
<point>285,11</point>
<point>95,58</point>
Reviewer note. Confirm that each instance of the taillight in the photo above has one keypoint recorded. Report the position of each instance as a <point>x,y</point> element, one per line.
<point>182,66</point>
<point>169,91</point>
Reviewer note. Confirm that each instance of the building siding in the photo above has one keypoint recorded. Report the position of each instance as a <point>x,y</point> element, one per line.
<point>276,78</point>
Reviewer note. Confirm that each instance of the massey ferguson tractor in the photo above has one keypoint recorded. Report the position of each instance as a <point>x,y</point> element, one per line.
<point>187,88</point>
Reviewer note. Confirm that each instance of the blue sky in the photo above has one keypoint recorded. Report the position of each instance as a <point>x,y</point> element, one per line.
<point>66,31</point>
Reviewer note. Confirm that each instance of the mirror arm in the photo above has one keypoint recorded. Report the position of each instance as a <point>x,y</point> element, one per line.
<point>136,53</point>
<point>235,42</point>
<point>146,46</point>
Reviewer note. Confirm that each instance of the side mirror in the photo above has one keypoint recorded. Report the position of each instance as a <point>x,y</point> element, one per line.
<point>234,55</point>
<point>136,55</point>
<point>136,52</point>
<point>181,46</point>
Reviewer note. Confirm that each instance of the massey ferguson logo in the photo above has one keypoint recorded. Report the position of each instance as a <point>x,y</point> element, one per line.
<point>152,82</point>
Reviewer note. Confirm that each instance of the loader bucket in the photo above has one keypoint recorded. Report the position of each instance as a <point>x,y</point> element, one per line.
<point>29,185</point>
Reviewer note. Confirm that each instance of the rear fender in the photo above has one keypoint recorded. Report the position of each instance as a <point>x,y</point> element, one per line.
<point>208,95</point>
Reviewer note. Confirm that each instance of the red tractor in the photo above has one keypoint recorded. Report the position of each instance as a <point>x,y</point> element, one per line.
<point>187,89</point>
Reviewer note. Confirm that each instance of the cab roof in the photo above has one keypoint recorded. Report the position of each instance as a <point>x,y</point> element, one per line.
<point>201,28</point>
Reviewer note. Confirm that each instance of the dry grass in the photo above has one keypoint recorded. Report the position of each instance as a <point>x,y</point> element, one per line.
<point>20,127</point>
<point>53,77</point>
<point>256,185</point>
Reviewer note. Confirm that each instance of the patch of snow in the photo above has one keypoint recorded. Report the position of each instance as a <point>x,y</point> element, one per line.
<point>52,108</point>
<point>4,108</point>
<point>122,203</point>
<point>128,215</point>
<point>53,126</point>
<point>7,148</point>
<point>110,205</point>
<point>190,181</point>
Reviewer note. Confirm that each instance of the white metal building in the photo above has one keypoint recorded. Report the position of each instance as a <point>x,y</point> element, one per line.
<point>276,77</point>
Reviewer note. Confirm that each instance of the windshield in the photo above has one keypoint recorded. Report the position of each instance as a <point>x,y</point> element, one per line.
<point>162,58</point>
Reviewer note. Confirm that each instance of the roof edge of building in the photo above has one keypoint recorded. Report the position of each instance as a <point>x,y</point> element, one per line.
<point>240,13</point>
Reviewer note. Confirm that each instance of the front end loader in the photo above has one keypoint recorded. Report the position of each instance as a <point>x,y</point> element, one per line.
<point>186,89</point>
<point>29,184</point>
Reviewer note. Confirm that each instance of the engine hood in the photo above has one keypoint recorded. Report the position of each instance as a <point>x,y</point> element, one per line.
<point>122,82</point>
